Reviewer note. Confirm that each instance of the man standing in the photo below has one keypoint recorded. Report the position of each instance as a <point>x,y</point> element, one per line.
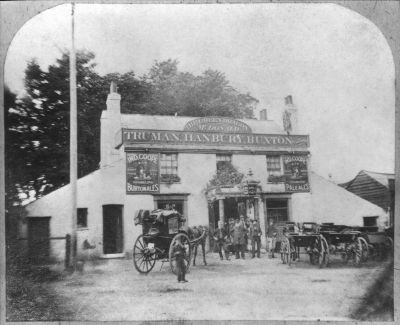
<point>271,238</point>
<point>220,237</point>
<point>179,253</point>
<point>255,236</point>
<point>230,230</point>
<point>239,231</point>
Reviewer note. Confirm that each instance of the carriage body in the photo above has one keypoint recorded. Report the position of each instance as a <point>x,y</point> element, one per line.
<point>161,230</point>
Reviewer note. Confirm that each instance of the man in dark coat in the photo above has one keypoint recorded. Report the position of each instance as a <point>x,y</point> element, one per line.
<point>255,236</point>
<point>239,231</point>
<point>229,240</point>
<point>221,237</point>
<point>179,252</point>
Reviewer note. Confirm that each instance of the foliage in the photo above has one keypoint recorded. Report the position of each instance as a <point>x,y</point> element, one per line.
<point>209,94</point>
<point>227,175</point>
<point>37,125</point>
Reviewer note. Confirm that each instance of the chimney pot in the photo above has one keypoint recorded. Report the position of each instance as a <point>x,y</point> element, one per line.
<point>263,115</point>
<point>113,87</point>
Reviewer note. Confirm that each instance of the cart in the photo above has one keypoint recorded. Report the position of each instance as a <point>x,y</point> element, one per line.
<point>161,229</point>
<point>350,243</point>
<point>379,243</point>
<point>307,238</point>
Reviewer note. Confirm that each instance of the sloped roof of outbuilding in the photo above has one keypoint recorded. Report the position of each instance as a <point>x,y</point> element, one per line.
<point>382,178</point>
<point>167,122</point>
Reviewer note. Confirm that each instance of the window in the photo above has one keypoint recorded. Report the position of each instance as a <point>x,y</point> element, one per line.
<point>169,164</point>
<point>223,160</point>
<point>274,164</point>
<point>169,168</point>
<point>82,218</point>
<point>370,221</point>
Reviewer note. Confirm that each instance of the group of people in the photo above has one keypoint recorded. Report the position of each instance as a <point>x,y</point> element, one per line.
<point>234,237</point>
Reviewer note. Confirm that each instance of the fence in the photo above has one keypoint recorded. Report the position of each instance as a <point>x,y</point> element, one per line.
<point>36,254</point>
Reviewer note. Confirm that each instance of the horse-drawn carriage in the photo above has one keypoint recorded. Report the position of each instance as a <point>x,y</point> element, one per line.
<point>161,230</point>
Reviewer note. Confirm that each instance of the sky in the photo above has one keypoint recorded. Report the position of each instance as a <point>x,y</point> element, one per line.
<point>335,63</point>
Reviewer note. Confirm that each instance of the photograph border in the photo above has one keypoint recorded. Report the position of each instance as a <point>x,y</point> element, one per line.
<point>384,14</point>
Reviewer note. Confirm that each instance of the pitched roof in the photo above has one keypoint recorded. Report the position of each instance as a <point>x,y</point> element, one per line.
<point>382,178</point>
<point>372,186</point>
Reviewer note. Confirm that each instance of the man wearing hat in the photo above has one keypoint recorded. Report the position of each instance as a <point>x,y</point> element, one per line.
<point>239,231</point>
<point>220,237</point>
<point>255,237</point>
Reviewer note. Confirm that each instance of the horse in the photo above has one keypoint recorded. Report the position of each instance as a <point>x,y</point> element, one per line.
<point>197,232</point>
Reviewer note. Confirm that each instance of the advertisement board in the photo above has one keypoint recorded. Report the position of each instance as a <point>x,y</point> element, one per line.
<point>142,173</point>
<point>296,173</point>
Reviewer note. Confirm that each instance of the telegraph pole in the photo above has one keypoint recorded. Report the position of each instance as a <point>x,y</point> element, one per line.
<point>73,161</point>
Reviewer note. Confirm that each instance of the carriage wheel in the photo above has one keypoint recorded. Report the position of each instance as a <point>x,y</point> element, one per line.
<point>365,249</point>
<point>358,252</point>
<point>323,252</point>
<point>144,257</point>
<point>186,243</point>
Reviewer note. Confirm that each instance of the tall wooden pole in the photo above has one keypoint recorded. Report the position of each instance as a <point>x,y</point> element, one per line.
<point>73,168</point>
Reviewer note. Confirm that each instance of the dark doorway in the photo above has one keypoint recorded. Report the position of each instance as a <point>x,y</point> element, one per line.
<point>277,210</point>
<point>39,239</point>
<point>112,229</point>
<point>231,209</point>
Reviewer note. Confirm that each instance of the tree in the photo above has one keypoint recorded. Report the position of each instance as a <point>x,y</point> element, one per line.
<point>209,94</point>
<point>37,125</point>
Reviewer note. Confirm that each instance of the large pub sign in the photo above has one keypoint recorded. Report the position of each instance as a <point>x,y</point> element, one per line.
<point>142,173</point>
<point>296,173</point>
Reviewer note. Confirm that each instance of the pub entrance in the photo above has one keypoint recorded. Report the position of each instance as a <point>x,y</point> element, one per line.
<point>278,212</point>
<point>233,207</point>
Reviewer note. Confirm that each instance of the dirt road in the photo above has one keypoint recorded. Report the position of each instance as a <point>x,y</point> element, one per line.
<point>251,289</point>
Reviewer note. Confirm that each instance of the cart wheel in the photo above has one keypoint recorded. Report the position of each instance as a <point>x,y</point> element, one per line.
<point>323,252</point>
<point>358,253</point>
<point>365,249</point>
<point>144,257</point>
<point>186,243</point>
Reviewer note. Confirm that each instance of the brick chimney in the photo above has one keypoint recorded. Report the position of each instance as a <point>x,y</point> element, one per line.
<point>263,115</point>
<point>114,100</point>
<point>110,126</point>
<point>289,116</point>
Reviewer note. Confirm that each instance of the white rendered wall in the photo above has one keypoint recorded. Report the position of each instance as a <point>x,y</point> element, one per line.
<point>329,202</point>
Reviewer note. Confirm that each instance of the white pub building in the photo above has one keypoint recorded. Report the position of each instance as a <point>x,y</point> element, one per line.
<point>150,162</point>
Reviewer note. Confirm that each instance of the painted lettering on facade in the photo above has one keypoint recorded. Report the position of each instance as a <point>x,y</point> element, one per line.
<point>187,138</point>
<point>296,173</point>
<point>217,124</point>
<point>142,173</point>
